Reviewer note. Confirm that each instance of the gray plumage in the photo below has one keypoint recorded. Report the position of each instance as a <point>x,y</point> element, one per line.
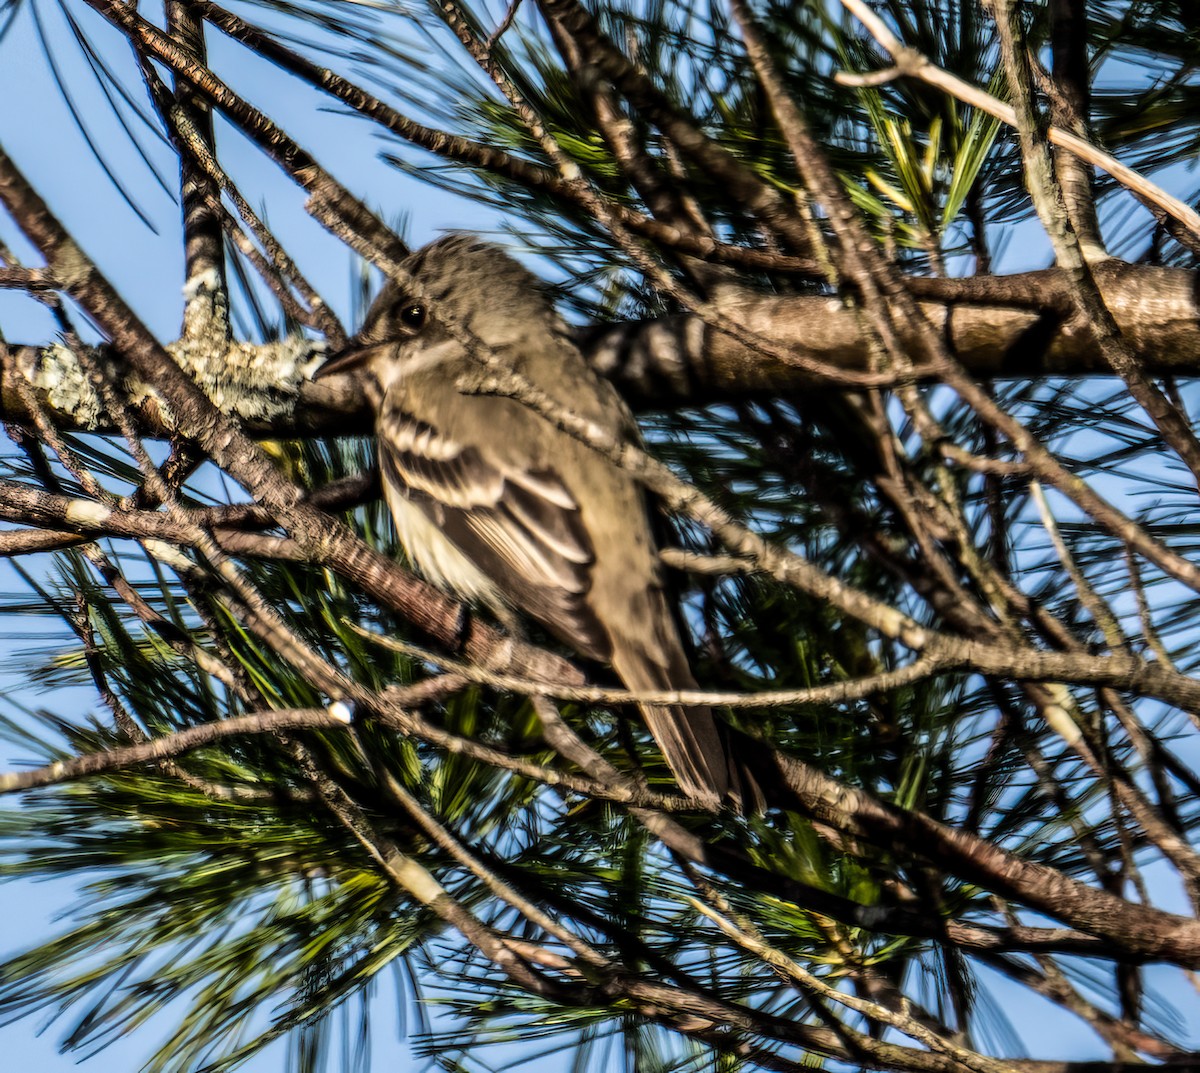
<point>494,502</point>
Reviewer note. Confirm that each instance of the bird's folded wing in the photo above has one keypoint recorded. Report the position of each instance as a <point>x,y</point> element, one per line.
<point>522,528</point>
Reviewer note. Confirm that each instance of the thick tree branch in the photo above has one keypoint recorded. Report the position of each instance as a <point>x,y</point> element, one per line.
<point>998,328</point>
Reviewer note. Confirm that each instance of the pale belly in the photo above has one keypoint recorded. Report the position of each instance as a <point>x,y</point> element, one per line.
<point>436,558</point>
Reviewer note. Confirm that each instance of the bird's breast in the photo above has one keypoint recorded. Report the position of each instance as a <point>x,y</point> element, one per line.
<point>435,557</point>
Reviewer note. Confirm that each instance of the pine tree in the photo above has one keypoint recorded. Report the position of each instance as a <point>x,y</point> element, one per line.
<point>929,510</point>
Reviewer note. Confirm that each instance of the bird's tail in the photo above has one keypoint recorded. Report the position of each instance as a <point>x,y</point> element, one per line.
<point>695,746</point>
<point>697,750</point>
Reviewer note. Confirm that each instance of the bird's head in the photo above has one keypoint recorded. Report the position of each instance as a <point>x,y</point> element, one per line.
<point>457,285</point>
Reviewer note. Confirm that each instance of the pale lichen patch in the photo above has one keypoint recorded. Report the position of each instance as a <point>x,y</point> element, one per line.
<point>209,279</point>
<point>87,512</point>
<point>255,382</point>
<point>206,312</point>
<point>56,372</point>
<point>169,555</point>
<point>259,383</point>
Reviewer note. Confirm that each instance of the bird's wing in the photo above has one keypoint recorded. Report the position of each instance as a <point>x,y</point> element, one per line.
<point>522,528</point>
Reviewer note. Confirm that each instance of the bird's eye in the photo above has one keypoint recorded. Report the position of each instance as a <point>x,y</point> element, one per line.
<point>412,316</point>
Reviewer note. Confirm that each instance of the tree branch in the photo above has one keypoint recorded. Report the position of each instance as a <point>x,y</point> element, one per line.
<point>998,328</point>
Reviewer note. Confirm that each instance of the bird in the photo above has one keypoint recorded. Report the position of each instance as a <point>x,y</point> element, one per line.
<point>497,504</point>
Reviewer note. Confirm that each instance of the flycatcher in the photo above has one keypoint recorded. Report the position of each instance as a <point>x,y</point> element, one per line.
<point>495,503</point>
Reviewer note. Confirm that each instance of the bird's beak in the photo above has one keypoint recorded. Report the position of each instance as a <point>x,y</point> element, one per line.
<point>343,361</point>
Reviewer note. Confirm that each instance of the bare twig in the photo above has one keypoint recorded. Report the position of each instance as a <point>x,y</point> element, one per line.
<point>170,745</point>
<point>911,63</point>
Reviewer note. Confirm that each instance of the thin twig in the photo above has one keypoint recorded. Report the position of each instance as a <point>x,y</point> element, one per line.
<point>833,693</point>
<point>901,1019</point>
<point>170,745</point>
<point>913,64</point>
